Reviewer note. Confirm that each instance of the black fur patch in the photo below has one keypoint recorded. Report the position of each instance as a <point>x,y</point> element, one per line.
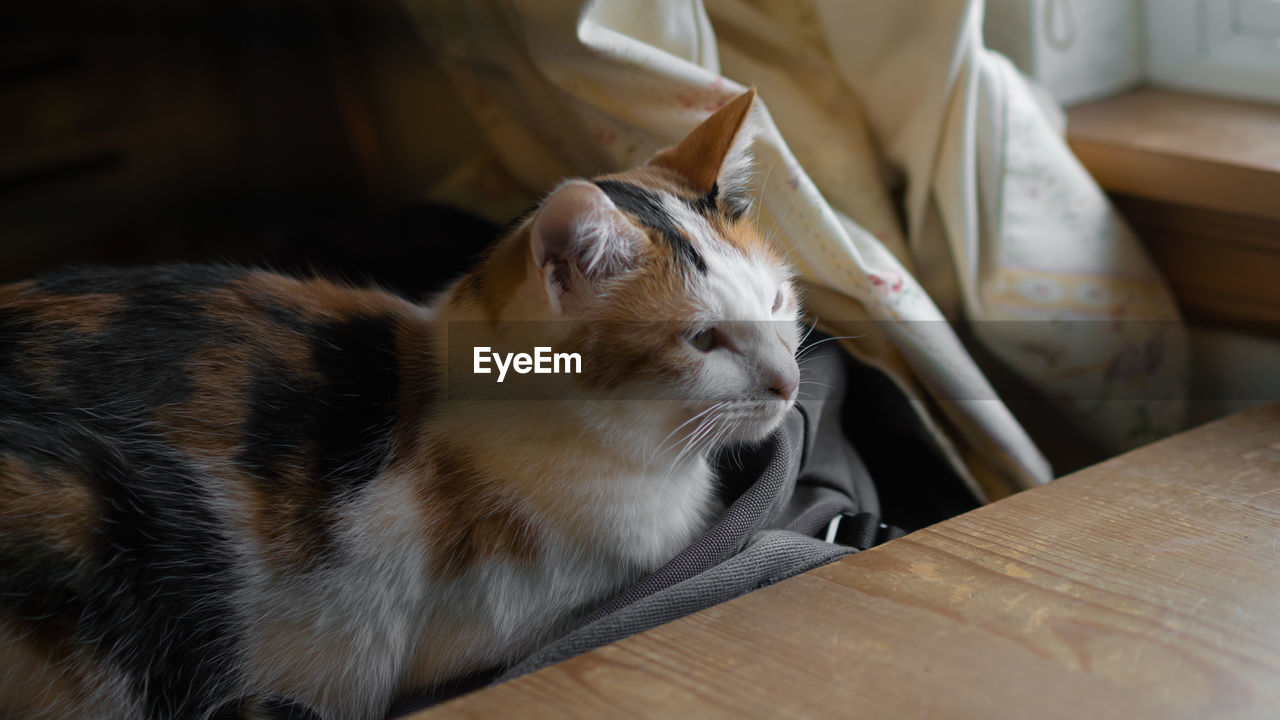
<point>336,427</point>
<point>736,205</point>
<point>645,205</point>
<point>357,359</point>
<point>732,205</point>
<point>142,281</point>
<point>139,360</point>
<point>41,589</point>
<point>15,328</point>
<point>706,205</point>
<point>164,609</point>
<point>154,601</point>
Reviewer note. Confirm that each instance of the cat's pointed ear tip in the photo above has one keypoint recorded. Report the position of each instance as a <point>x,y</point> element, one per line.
<point>710,147</point>
<point>743,102</point>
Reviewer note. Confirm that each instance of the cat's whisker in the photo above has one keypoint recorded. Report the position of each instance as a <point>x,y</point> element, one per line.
<point>730,425</point>
<point>809,332</point>
<point>692,437</point>
<point>700,432</point>
<point>777,225</point>
<point>716,429</point>
<point>813,358</point>
<point>765,186</point>
<point>713,427</point>
<point>786,256</point>
<point>808,349</point>
<point>735,455</point>
<point>730,430</point>
<point>716,407</point>
<point>663,443</point>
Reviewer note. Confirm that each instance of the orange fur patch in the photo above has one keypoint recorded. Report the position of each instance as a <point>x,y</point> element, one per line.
<point>467,517</point>
<point>34,685</point>
<point>315,299</point>
<point>207,426</point>
<point>86,313</point>
<point>48,503</point>
<point>500,273</point>
<point>49,317</point>
<point>637,333</point>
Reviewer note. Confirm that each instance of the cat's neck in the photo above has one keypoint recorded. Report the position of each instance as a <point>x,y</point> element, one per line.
<point>558,453</point>
<point>588,484</point>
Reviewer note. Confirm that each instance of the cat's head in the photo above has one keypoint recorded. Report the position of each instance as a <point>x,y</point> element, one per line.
<point>668,286</point>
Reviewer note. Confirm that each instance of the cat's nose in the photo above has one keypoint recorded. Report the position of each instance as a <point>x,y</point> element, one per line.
<point>783,383</point>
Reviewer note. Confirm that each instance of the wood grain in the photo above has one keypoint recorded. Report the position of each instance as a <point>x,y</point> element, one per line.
<point>1181,148</point>
<point>1146,586</point>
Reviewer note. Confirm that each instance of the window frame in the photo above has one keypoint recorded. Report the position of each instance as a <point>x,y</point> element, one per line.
<point>1192,45</point>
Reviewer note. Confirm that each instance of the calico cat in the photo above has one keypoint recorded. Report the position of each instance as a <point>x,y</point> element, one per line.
<point>224,491</point>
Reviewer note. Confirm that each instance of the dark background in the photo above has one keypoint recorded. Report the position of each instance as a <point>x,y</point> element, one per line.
<point>299,134</point>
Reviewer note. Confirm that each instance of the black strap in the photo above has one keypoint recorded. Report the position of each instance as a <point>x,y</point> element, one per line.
<point>862,531</point>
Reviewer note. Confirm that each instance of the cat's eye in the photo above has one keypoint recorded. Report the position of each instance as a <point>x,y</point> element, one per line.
<point>703,340</point>
<point>777,301</point>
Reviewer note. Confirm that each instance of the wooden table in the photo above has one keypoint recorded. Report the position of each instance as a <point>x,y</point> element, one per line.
<point>1146,586</point>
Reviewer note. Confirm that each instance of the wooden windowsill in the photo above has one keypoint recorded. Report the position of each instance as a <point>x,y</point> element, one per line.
<point>1190,150</point>
<point>1198,179</point>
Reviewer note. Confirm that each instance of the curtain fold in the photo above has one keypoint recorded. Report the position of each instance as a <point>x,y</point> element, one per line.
<point>909,173</point>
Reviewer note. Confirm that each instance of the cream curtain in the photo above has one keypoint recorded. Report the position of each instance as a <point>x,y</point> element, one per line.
<point>913,177</point>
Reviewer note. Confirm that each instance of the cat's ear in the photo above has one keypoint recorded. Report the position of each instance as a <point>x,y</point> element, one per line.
<point>579,237</point>
<point>717,154</point>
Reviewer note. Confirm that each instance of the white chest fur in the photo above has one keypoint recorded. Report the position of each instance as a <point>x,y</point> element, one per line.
<point>381,621</point>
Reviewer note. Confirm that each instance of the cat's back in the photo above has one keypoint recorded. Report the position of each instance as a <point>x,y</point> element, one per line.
<point>133,404</point>
<point>219,363</point>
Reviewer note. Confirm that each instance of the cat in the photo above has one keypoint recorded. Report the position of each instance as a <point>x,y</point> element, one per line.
<point>224,491</point>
